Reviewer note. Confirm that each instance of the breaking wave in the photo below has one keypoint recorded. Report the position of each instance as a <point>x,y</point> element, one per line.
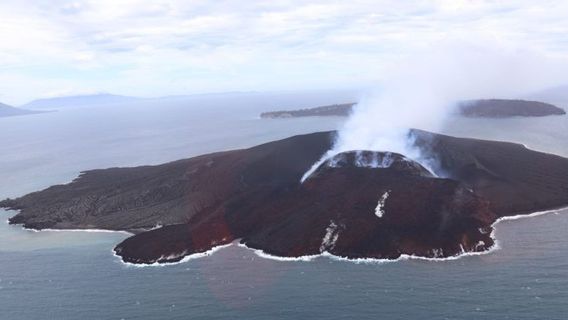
<point>79,230</point>
<point>183,260</point>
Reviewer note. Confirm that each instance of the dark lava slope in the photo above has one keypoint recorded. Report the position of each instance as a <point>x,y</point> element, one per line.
<point>171,193</point>
<point>514,179</point>
<point>358,204</point>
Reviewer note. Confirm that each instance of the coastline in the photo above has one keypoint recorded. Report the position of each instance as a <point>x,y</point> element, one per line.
<point>309,258</point>
<point>260,253</point>
<point>404,257</point>
<point>165,264</point>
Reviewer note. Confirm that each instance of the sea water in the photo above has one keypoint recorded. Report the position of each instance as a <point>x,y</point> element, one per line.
<point>73,275</point>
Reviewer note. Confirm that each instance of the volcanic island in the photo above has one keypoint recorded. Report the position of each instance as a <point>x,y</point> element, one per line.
<point>355,205</point>
<point>358,204</point>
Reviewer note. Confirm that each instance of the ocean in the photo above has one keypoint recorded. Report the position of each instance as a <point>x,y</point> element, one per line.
<point>73,275</point>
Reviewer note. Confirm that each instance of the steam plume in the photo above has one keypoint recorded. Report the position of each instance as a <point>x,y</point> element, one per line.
<point>422,90</point>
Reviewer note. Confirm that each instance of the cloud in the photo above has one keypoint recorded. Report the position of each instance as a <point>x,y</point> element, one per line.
<point>182,46</point>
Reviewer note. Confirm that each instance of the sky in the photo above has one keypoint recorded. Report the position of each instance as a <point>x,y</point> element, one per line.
<point>149,48</point>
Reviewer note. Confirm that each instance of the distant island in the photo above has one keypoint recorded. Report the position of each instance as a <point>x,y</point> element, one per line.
<point>498,108</point>
<point>487,108</point>
<point>358,204</point>
<point>78,101</point>
<point>339,110</point>
<point>9,111</point>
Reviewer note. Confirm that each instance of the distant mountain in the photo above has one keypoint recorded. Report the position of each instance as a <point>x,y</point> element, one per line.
<point>78,101</point>
<point>9,111</point>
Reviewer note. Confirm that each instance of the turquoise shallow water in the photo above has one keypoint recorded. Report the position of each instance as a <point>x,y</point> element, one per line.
<point>70,275</point>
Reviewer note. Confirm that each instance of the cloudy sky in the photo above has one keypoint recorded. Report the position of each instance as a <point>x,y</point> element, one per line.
<point>153,48</point>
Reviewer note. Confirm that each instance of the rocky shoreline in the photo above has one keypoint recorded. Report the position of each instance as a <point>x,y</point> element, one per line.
<point>357,205</point>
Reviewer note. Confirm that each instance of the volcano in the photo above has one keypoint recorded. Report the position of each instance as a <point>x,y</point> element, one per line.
<point>356,204</point>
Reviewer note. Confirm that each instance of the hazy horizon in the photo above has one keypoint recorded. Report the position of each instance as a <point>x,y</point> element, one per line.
<point>174,47</point>
<point>187,95</point>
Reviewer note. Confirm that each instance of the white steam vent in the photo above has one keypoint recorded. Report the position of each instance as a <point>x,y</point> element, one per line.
<point>380,209</point>
<point>330,238</point>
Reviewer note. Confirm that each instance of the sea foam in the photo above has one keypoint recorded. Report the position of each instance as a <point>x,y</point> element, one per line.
<point>185,259</point>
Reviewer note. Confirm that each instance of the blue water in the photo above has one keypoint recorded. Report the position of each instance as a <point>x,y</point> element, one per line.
<point>73,275</point>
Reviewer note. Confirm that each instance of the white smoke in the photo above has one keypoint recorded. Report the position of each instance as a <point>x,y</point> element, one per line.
<point>422,89</point>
